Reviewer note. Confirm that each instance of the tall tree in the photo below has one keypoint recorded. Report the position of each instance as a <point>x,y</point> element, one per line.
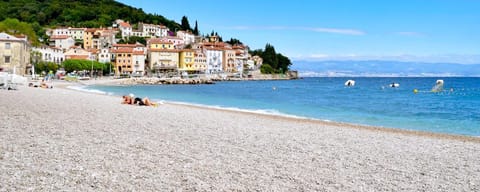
<point>269,56</point>
<point>283,63</point>
<point>185,24</point>
<point>195,30</point>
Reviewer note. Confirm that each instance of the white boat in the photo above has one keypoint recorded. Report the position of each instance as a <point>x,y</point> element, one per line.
<point>350,83</point>
<point>438,86</point>
<point>393,85</point>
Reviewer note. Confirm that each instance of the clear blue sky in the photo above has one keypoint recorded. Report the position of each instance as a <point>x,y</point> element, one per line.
<point>417,30</point>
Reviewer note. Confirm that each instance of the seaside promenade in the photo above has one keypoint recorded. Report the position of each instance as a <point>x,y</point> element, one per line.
<point>65,140</point>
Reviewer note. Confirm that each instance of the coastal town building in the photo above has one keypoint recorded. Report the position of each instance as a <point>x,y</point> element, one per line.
<point>187,37</point>
<point>104,55</point>
<point>76,52</point>
<point>48,54</point>
<point>187,60</point>
<point>74,33</point>
<point>61,41</point>
<point>88,38</point>
<point>200,61</point>
<point>14,53</point>
<point>126,29</point>
<point>152,31</point>
<point>214,58</point>
<point>229,60</point>
<point>129,59</point>
<point>241,57</point>
<point>178,42</point>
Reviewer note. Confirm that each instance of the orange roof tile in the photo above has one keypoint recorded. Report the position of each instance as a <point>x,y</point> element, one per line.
<point>125,24</point>
<point>59,37</point>
<point>76,56</point>
<point>158,40</point>
<point>127,45</point>
<point>164,50</point>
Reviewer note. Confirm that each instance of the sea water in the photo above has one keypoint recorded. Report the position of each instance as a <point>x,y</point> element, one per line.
<point>455,110</point>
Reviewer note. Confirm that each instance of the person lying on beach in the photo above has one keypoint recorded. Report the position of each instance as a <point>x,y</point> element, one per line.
<point>137,101</point>
<point>42,85</point>
<point>127,100</point>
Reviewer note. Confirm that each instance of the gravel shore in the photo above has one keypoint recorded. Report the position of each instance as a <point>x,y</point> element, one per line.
<point>64,140</point>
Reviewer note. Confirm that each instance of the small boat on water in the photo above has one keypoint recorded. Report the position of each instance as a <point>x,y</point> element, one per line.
<point>438,86</point>
<point>394,85</point>
<point>350,83</point>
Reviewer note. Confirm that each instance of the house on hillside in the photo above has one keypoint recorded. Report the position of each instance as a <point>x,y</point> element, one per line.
<point>61,41</point>
<point>49,54</point>
<point>76,52</point>
<point>129,59</point>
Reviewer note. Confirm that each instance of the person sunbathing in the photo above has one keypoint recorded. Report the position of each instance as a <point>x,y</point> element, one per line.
<point>143,102</point>
<point>137,101</point>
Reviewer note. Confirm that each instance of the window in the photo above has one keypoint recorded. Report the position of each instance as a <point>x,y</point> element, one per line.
<point>7,45</point>
<point>7,59</point>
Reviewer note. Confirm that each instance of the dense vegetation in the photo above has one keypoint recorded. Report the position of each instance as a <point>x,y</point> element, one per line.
<point>84,13</point>
<point>79,65</point>
<point>273,62</point>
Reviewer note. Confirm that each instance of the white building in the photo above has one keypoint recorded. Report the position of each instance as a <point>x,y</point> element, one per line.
<point>187,36</point>
<point>138,59</point>
<point>214,60</point>
<point>178,42</point>
<point>126,29</point>
<point>75,33</point>
<point>150,30</point>
<point>63,42</point>
<point>104,56</point>
<point>50,54</point>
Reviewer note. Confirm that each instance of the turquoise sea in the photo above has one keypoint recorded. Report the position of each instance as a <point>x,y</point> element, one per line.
<point>456,110</point>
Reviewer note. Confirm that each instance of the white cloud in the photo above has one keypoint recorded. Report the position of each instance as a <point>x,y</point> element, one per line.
<point>410,34</point>
<point>314,29</point>
<point>445,58</point>
<point>337,31</point>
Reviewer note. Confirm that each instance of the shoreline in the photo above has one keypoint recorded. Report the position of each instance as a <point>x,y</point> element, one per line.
<point>469,138</point>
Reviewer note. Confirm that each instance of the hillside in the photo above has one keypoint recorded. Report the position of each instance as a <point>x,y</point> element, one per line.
<point>82,13</point>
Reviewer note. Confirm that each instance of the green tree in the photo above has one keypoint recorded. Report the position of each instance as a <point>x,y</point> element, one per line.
<point>283,63</point>
<point>185,24</point>
<point>234,41</point>
<point>270,56</point>
<point>135,39</point>
<point>266,69</point>
<point>46,67</point>
<point>195,29</point>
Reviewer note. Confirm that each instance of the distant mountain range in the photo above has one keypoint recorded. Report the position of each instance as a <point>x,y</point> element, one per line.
<point>377,68</point>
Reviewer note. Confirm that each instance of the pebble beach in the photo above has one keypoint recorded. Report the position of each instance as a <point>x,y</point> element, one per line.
<point>65,140</point>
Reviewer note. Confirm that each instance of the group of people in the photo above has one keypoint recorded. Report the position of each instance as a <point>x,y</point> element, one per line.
<point>43,84</point>
<point>130,100</point>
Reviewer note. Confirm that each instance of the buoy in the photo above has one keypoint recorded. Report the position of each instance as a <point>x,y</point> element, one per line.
<point>415,91</point>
